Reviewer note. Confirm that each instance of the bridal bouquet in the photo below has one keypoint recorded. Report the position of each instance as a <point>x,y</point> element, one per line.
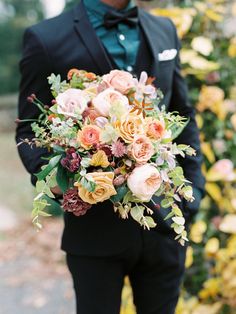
<point>109,140</point>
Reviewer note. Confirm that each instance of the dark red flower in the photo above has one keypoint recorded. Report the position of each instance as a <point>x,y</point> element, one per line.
<point>74,204</point>
<point>72,160</point>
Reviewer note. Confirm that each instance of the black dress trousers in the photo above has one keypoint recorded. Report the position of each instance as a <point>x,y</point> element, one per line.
<point>154,264</point>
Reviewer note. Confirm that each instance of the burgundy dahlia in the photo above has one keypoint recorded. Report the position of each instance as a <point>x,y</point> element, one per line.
<point>72,160</point>
<point>74,204</point>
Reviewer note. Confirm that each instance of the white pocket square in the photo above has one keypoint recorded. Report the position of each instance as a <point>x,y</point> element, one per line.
<point>166,55</point>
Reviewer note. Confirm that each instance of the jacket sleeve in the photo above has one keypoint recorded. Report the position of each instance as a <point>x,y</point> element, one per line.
<point>35,67</point>
<point>190,135</point>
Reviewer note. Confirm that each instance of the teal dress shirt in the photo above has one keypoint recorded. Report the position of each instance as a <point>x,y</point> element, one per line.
<point>121,42</point>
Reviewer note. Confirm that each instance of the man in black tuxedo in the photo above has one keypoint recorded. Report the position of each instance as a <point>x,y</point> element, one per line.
<point>102,248</point>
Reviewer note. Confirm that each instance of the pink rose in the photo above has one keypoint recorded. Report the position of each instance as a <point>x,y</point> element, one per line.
<point>144,181</point>
<point>104,101</point>
<point>72,102</point>
<point>119,80</point>
<point>141,150</point>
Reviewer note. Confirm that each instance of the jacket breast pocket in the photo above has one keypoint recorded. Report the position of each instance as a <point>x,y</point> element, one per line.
<point>167,63</point>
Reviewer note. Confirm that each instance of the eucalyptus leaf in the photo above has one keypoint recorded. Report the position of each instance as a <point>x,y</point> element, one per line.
<point>150,222</point>
<point>51,165</point>
<point>136,213</point>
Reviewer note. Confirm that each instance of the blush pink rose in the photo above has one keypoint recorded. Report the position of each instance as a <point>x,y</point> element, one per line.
<point>144,181</point>
<point>72,102</point>
<point>141,149</point>
<point>120,80</point>
<point>104,101</point>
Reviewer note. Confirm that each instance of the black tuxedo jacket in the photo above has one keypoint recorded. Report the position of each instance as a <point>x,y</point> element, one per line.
<point>69,41</point>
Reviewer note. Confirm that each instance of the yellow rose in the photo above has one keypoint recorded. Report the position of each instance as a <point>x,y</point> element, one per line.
<point>103,191</point>
<point>129,126</point>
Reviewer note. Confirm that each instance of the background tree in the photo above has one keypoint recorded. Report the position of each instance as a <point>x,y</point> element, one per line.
<point>15,16</point>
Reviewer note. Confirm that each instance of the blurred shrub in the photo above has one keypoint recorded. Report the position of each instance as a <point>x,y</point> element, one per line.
<point>208,57</point>
<point>15,16</point>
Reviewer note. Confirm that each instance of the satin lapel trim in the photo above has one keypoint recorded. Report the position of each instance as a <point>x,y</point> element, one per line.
<point>90,39</point>
<point>151,33</point>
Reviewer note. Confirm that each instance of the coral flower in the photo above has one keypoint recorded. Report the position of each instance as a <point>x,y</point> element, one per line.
<point>155,129</point>
<point>88,136</point>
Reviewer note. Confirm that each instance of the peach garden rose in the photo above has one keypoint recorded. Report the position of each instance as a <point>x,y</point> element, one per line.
<point>120,80</point>
<point>130,126</point>
<point>103,191</point>
<point>144,181</point>
<point>141,149</point>
<point>105,100</point>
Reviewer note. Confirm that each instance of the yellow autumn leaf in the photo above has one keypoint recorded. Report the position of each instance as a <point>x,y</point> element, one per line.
<point>208,152</point>
<point>181,17</point>
<point>214,191</point>
<point>199,120</point>
<point>203,64</point>
<point>232,48</point>
<point>211,248</point>
<point>212,15</point>
<point>100,159</point>
<point>200,6</point>
<point>189,257</point>
<point>197,231</point>
<point>208,308</point>
<point>186,55</point>
<point>228,224</point>
<point>211,288</point>
<point>203,45</point>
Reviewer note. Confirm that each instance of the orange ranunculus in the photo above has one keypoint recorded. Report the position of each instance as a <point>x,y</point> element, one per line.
<point>155,129</point>
<point>72,72</point>
<point>130,126</point>
<point>51,116</point>
<point>91,76</point>
<point>89,135</point>
<point>141,150</point>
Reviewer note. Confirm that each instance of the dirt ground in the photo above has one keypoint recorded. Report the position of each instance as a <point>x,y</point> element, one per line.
<point>34,277</point>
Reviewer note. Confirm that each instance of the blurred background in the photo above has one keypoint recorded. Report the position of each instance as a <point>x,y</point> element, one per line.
<point>33,276</point>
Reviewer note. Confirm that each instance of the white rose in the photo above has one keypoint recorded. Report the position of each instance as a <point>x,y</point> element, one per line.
<point>144,181</point>
<point>104,101</point>
<point>72,102</point>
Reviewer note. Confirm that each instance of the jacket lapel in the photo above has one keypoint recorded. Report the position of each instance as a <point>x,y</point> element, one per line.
<point>90,39</point>
<point>158,40</point>
<point>152,36</point>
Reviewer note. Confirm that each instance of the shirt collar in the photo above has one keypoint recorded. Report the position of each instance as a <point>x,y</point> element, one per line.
<point>101,8</point>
